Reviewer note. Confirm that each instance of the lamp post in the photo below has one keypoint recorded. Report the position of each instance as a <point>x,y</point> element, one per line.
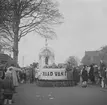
<point>23,60</point>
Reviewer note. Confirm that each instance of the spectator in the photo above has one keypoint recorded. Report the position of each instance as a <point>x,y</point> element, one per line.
<point>2,72</point>
<point>8,89</point>
<point>96,74</point>
<point>13,71</point>
<point>103,82</point>
<point>84,77</point>
<point>91,74</point>
<point>23,76</point>
<point>76,76</point>
<point>103,73</point>
<point>18,77</point>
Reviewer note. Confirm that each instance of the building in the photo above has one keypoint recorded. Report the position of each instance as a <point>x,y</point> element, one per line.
<point>95,56</point>
<point>91,57</point>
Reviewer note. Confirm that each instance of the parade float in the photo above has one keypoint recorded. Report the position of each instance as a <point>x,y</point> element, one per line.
<point>48,73</point>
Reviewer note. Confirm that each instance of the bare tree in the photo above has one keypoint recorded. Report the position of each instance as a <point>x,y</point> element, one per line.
<point>34,64</point>
<point>73,61</point>
<point>25,16</point>
<point>6,41</point>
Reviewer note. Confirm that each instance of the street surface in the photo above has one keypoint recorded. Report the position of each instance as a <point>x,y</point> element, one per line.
<point>30,94</point>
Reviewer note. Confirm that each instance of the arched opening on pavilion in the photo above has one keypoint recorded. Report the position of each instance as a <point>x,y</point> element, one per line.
<point>46,57</point>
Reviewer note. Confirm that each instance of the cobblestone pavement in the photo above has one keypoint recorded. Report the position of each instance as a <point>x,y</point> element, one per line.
<point>30,94</point>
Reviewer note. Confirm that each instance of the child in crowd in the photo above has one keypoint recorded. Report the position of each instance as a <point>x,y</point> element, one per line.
<point>8,89</point>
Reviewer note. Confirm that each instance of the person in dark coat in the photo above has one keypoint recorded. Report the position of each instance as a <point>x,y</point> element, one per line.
<point>8,89</point>
<point>91,74</point>
<point>32,78</point>
<point>102,69</point>
<point>103,73</point>
<point>96,74</point>
<point>84,74</point>
<point>24,76</point>
<point>2,72</point>
<point>103,77</point>
<point>84,77</point>
<point>69,70</point>
<point>76,75</point>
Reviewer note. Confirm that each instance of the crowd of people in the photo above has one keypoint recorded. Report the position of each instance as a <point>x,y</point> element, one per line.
<point>8,83</point>
<point>93,74</point>
<point>96,74</point>
<point>10,78</point>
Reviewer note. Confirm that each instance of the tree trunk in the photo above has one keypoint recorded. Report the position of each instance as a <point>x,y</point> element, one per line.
<point>15,52</point>
<point>15,49</point>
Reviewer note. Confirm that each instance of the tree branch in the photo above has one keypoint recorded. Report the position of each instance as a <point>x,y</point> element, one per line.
<point>32,9</point>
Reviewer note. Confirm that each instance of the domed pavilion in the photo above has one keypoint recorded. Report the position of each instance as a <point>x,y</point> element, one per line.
<point>46,56</point>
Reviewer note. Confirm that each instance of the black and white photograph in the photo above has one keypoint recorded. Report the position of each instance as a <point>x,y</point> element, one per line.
<point>53,52</point>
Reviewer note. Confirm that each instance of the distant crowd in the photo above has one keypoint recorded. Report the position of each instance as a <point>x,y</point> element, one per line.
<point>89,74</point>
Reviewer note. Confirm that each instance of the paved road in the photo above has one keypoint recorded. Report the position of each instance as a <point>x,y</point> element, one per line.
<point>30,94</point>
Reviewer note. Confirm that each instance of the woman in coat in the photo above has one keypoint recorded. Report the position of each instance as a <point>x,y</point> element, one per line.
<point>84,76</point>
<point>91,74</point>
<point>13,71</point>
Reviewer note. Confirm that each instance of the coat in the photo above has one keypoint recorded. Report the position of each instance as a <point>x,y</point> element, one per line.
<point>8,86</point>
<point>15,79</point>
<point>69,75</point>
<point>2,73</point>
<point>103,70</point>
<point>76,76</point>
<point>84,75</point>
<point>14,76</point>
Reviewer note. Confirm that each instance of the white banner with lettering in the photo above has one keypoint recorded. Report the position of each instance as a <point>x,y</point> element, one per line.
<point>53,74</point>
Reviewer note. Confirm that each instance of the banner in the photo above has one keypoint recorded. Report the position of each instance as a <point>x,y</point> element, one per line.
<point>53,74</point>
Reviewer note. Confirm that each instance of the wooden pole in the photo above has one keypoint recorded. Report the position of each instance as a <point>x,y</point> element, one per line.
<point>23,61</point>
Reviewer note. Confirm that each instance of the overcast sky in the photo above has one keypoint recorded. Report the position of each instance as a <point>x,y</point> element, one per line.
<point>84,29</point>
